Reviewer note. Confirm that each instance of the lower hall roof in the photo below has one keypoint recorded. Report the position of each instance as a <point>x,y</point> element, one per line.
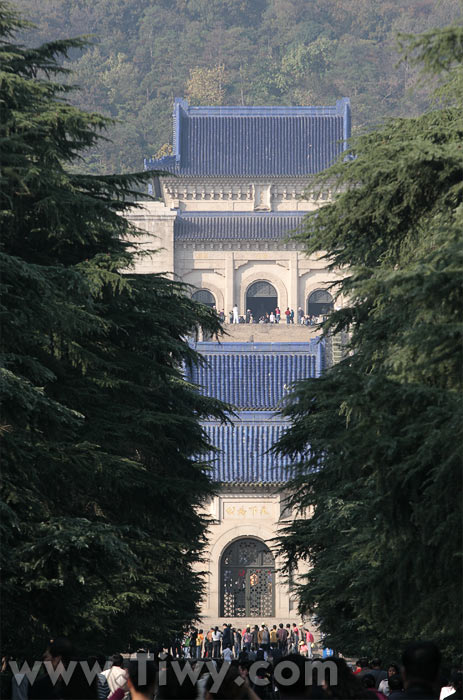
<point>254,377</point>
<point>234,226</point>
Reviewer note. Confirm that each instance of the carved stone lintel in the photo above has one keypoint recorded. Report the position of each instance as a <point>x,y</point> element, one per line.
<point>262,197</point>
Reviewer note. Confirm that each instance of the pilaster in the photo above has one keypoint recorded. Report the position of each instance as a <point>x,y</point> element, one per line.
<point>293,282</point>
<point>229,282</point>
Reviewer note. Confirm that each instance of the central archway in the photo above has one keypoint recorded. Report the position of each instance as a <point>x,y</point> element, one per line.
<point>261,299</point>
<point>247,575</point>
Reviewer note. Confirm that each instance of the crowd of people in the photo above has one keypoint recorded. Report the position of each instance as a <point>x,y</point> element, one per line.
<point>283,675</point>
<point>275,316</point>
<point>228,642</point>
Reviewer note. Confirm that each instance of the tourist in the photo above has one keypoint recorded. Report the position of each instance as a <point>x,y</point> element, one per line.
<point>453,691</point>
<point>186,645</point>
<point>116,676</point>
<point>235,314</point>
<point>277,315</point>
<point>369,682</point>
<point>208,644</point>
<point>229,689</point>
<point>60,650</point>
<point>392,670</point>
<point>227,654</point>
<point>237,642</point>
<point>288,315</point>
<point>255,638</point>
<point>103,689</point>
<point>193,638</point>
<point>169,686</point>
<point>282,636</point>
<point>291,316</point>
<point>216,638</point>
<point>295,637</point>
<point>272,317</point>
<point>222,316</point>
<point>177,646</point>
<point>227,642</point>
<point>395,687</point>
<point>248,316</point>
<point>247,639</point>
<point>378,673</point>
<point>289,643</point>
<point>264,640</point>
<point>364,667</point>
<point>345,684</point>
<point>13,685</point>
<point>273,638</point>
<point>292,686</point>
<point>199,644</point>
<point>300,315</point>
<point>421,663</point>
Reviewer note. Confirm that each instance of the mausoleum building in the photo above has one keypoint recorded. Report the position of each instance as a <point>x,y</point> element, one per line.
<point>236,188</point>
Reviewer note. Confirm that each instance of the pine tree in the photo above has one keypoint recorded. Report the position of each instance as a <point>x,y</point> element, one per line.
<point>103,471</point>
<point>381,432</point>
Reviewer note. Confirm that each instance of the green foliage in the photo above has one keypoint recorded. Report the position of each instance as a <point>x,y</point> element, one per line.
<point>101,495</point>
<point>381,432</point>
<point>206,85</point>
<point>277,52</point>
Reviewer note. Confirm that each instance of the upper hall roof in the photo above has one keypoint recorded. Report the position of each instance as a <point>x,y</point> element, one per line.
<point>255,141</point>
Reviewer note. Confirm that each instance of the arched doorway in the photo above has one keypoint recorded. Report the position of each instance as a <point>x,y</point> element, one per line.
<point>261,298</point>
<point>204,296</point>
<point>247,575</point>
<point>319,303</point>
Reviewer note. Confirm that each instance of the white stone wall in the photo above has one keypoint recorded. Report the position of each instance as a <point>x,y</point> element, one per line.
<point>227,270</point>
<point>238,514</point>
<point>156,225</point>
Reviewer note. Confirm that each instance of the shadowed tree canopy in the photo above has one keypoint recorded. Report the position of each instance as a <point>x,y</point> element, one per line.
<point>381,432</point>
<point>100,491</point>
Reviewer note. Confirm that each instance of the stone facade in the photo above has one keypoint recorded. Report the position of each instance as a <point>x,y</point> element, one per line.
<point>221,223</point>
<point>243,513</point>
<point>227,268</point>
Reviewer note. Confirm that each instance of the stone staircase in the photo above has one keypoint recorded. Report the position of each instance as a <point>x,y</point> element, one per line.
<point>268,333</point>
<point>283,333</point>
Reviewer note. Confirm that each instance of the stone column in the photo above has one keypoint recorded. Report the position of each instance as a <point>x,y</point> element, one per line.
<point>293,283</point>
<point>229,297</point>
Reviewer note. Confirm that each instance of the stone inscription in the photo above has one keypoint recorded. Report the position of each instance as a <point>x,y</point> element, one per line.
<point>245,511</point>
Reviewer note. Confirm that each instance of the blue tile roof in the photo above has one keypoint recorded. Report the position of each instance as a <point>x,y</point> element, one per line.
<point>236,226</point>
<point>253,380</point>
<point>243,450</point>
<point>255,141</point>
<point>254,377</point>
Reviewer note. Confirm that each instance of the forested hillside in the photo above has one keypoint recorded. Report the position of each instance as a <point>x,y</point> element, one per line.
<point>146,52</point>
